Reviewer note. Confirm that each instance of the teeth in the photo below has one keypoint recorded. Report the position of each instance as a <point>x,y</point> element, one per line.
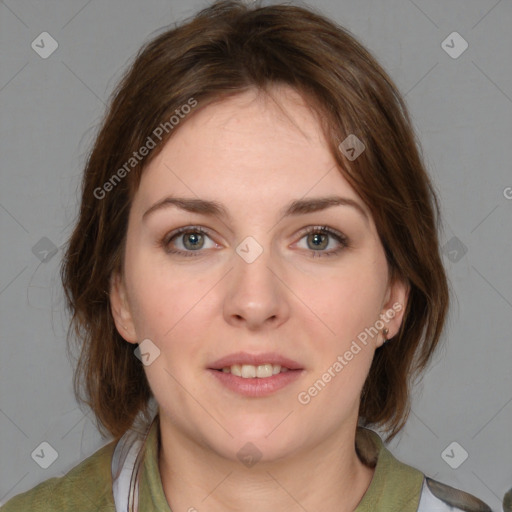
<point>249,371</point>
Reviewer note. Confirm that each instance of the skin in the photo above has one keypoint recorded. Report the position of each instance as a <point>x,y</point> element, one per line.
<point>254,155</point>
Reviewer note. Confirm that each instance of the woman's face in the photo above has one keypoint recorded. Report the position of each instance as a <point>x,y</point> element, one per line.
<point>256,279</point>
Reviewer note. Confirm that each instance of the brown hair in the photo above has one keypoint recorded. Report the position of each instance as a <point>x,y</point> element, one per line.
<point>224,50</point>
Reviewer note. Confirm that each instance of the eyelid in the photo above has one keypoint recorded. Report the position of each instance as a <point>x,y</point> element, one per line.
<point>186,229</point>
<point>318,229</point>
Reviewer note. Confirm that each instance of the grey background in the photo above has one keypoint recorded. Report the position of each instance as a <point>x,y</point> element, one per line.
<point>462,111</point>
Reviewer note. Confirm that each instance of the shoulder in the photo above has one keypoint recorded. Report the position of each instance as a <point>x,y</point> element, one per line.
<point>439,497</point>
<point>399,486</point>
<point>86,487</point>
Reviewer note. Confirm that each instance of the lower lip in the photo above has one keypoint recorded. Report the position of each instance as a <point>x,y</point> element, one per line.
<point>256,387</point>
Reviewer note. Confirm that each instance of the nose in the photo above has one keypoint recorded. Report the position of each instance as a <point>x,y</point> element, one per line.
<point>256,296</point>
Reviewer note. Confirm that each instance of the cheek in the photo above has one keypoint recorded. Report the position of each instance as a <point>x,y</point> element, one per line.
<point>161,296</point>
<point>175,315</point>
<point>344,350</point>
<point>167,306</point>
<point>351,301</point>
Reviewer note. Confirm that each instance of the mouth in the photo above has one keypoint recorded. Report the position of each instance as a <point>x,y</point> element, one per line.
<point>255,375</point>
<point>249,366</point>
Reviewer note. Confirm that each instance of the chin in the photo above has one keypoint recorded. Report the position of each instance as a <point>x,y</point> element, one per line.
<point>273,442</point>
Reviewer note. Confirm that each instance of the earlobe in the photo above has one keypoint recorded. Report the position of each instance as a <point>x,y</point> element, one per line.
<point>121,309</point>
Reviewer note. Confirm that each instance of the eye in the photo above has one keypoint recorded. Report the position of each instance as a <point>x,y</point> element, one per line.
<point>190,240</point>
<point>187,240</point>
<point>320,238</point>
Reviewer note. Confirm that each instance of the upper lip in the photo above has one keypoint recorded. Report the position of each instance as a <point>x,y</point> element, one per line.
<point>256,360</point>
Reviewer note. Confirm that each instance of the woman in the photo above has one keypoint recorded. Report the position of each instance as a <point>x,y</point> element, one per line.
<point>254,277</point>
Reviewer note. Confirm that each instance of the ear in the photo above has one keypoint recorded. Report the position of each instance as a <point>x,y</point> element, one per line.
<point>121,309</point>
<point>393,308</point>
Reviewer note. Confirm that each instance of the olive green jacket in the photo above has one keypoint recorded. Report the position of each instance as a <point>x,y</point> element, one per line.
<point>395,486</point>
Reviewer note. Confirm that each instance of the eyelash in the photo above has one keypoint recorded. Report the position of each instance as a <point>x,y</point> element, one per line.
<point>339,237</point>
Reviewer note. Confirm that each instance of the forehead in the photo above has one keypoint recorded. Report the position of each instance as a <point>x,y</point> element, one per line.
<point>246,147</point>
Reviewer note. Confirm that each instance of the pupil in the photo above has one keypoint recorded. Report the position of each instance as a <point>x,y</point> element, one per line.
<point>318,241</point>
<point>192,240</point>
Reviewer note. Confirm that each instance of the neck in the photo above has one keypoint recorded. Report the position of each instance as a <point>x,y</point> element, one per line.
<point>327,477</point>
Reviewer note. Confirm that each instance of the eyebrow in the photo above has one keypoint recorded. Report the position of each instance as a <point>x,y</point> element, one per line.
<point>216,209</point>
